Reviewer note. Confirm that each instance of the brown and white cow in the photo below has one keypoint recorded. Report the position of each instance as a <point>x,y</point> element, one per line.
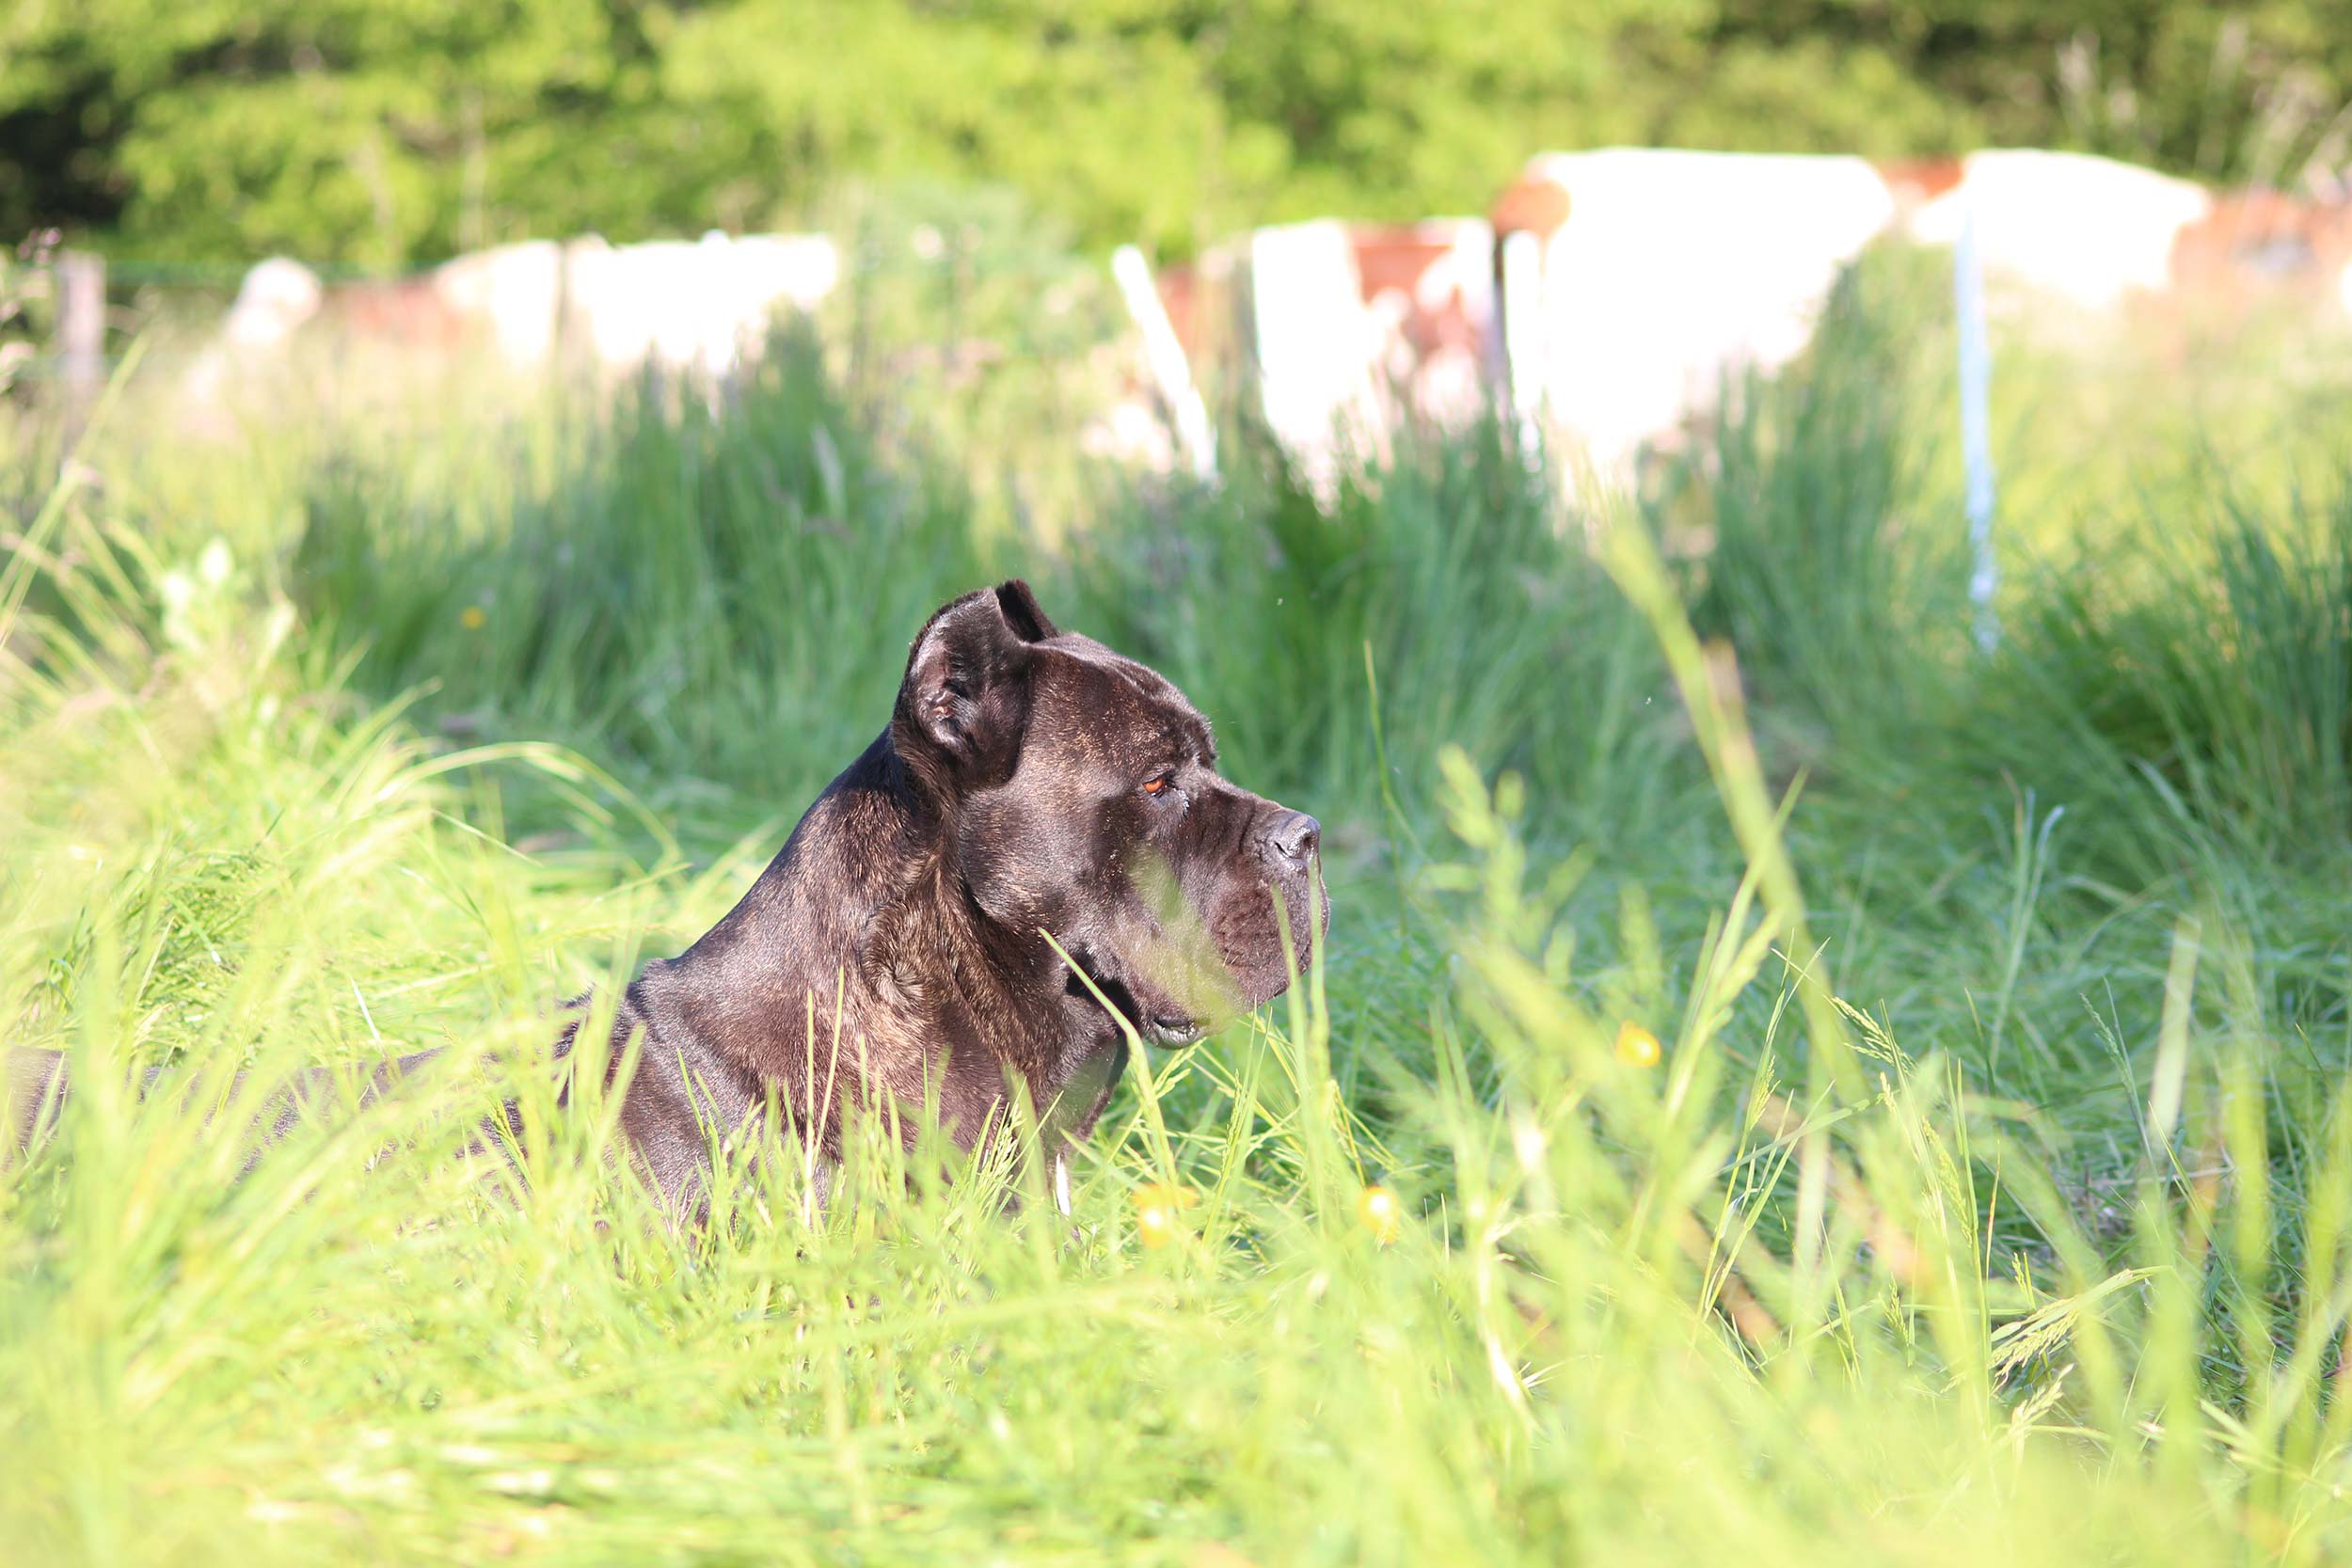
<point>680,306</point>
<point>1340,332</point>
<point>1649,276</point>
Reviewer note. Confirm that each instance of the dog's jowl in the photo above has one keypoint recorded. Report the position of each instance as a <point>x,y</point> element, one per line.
<point>1039,827</point>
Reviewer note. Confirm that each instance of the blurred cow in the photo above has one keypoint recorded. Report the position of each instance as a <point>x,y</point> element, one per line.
<point>2252,246</point>
<point>1653,275</point>
<point>2083,231</point>
<point>691,306</point>
<point>685,307</point>
<point>1341,331</point>
<point>1656,274</point>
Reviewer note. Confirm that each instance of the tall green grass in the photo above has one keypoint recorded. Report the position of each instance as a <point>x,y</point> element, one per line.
<point>1821,545</point>
<point>1440,600</point>
<point>1986,1195</point>
<point>2226,691</point>
<point>727,599</point>
<point>662,583</point>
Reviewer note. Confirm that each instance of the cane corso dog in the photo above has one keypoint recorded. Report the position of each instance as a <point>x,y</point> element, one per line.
<point>1040,829</point>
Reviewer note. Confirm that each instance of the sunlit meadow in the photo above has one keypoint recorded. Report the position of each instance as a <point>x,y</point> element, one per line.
<point>1785,1088</point>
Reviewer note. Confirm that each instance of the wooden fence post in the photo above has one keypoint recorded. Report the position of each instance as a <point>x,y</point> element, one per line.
<point>1195,437</point>
<point>81,331</point>
<point>1525,333</point>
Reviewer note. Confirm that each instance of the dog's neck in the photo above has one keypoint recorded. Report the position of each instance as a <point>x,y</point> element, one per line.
<point>863,917</point>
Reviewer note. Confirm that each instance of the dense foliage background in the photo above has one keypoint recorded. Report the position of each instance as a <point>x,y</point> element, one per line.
<point>385,133</point>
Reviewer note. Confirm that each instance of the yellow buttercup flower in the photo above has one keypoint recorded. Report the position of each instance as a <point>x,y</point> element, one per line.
<point>1163,1195</point>
<point>1382,1214</point>
<point>1157,1203</point>
<point>473,617</point>
<point>1156,1227</point>
<point>1637,1046</point>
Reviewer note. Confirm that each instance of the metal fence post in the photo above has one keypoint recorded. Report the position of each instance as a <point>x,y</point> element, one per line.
<point>1976,437</point>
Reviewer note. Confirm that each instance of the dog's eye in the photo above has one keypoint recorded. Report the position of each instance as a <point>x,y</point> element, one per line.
<point>1162,785</point>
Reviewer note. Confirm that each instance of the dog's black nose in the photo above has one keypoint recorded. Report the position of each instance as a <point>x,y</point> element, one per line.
<point>1293,838</point>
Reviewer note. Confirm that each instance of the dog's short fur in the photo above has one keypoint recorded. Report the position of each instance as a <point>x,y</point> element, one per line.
<point>1034,795</point>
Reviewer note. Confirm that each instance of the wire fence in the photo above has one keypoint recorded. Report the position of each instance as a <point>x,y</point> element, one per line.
<point>78,322</point>
<point>923,305</point>
<point>77,313</point>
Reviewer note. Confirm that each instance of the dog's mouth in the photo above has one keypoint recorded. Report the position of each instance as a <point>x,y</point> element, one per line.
<point>1156,1018</point>
<point>1176,1030</point>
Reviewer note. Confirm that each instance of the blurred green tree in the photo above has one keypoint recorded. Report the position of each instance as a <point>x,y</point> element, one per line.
<point>384,131</point>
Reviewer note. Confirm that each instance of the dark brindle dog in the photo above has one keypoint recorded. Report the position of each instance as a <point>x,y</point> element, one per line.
<point>1035,795</point>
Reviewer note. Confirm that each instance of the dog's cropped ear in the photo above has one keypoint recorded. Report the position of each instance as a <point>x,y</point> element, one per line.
<point>966,693</point>
<point>1021,614</point>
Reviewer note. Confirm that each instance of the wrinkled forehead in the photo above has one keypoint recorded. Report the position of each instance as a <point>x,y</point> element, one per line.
<point>1102,707</point>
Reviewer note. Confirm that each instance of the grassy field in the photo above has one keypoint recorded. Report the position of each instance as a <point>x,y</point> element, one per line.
<point>1987,1195</point>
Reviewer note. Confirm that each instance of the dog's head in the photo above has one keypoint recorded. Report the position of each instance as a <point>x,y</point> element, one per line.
<point>1084,802</point>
